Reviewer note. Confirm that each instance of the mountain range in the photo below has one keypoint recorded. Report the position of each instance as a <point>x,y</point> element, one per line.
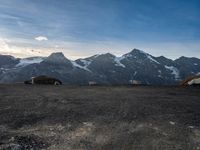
<point>106,69</point>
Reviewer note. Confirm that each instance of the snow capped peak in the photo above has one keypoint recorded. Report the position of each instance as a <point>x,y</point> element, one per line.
<point>139,54</point>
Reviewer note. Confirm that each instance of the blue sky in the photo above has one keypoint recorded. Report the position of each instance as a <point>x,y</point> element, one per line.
<point>80,28</point>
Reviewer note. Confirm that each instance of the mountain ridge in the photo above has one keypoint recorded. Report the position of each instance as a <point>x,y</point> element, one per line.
<point>102,68</point>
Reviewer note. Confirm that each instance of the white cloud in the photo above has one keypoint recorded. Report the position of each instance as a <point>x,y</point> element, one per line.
<point>41,38</point>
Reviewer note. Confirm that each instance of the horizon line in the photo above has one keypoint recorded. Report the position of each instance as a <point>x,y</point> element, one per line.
<point>9,54</point>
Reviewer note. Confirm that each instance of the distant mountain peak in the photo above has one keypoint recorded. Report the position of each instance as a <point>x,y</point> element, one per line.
<point>137,54</point>
<point>57,57</point>
<point>108,55</point>
<point>105,56</point>
<point>138,51</point>
<point>162,57</point>
<point>8,57</point>
<point>57,54</point>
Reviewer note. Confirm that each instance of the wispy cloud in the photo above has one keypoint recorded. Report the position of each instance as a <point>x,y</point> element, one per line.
<point>41,38</point>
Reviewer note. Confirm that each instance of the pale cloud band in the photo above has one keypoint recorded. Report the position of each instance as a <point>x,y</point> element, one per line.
<point>21,49</point>
<point>74,50</point>
<point>41,38</point>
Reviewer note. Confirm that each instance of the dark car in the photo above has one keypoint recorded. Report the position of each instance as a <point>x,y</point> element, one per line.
<point>43,80</point>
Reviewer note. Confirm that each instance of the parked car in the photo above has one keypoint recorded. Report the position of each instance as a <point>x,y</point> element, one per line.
<point>43,80</point>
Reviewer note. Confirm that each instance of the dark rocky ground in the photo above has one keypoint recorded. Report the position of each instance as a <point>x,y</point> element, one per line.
<point>108,118</point>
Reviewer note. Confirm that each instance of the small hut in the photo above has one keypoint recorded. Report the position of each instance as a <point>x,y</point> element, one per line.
<point>135,82</point>
<point>92,83</point>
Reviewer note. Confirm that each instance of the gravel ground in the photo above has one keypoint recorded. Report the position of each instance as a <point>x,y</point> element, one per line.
<point>109,118</point>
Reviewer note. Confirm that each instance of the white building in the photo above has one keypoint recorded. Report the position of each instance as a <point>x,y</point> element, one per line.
<point>92,83</point>
<point>135,82</point>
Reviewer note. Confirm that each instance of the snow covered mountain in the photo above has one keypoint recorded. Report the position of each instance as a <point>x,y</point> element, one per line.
<point>103,69</point>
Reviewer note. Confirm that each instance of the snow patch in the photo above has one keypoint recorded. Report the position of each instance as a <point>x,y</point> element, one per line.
<point>28,61</point>
<point>174,71</point>
<point>153,60</point>
<point>127,56</point>
<point>95,56</point>
<point>85,62</point>
<point>135,73</point>
<point>195,64</point>
<point>118,62</point>
<point>79,66</point>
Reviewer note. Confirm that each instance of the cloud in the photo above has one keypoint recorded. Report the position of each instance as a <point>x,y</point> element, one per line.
<point>22,48</point>
<point>41,38</point>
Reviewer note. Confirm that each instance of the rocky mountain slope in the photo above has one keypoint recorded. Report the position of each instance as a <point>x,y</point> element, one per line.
<point>103,69</point>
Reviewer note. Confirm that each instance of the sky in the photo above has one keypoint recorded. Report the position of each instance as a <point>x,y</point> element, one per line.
<point>81,28</point>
